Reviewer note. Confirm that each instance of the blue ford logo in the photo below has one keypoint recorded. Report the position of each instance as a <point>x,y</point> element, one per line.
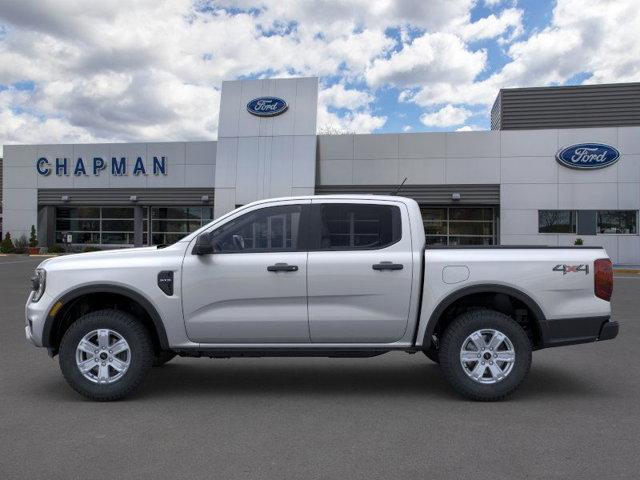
<point>588,156</point>
<point>267,106</point>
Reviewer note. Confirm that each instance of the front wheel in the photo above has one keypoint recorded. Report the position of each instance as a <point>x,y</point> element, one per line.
<point>485,355</point>
<point>104,355</point>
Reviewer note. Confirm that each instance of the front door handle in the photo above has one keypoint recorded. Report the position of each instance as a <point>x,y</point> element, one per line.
<point>387,266</point>
<point>282,267</point>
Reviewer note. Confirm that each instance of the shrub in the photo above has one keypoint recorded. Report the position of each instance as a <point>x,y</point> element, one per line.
<point>7,244</point>
<point>578,242</point>
<point>55,249</point>
<point>20,245</point>
<point>91,249</point>
<point>33,238</point>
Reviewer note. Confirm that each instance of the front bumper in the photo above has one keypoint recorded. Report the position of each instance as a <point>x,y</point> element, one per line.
<point>571,331</point>
<point>35,316</point>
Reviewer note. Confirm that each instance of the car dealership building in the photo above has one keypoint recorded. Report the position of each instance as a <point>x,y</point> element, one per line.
<point>560,163</point>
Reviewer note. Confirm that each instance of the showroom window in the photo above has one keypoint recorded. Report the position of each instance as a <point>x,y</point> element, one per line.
<point>588,222</point>
<point>350,226</point>
<point>170,224</point>
<point>264,230</point>
<point>557,221</point>
<point>618,222</point>
<point>95,225</point>
<point>459,225</point>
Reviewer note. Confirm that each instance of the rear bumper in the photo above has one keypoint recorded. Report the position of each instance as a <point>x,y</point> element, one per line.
<point>609,330</point>
<point>571,331</point>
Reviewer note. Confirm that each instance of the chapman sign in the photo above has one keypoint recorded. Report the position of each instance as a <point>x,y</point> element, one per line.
<point>96,165</point>
<point>267,106</point>
<point>588,156</point>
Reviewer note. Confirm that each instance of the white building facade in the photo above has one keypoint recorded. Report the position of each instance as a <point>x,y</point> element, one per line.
<point>479,188</point>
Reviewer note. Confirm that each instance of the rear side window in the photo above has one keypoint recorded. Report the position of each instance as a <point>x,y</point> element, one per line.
<point>358,227</point>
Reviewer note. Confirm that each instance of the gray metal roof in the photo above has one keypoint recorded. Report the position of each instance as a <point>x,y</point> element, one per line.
<point>579,106</point>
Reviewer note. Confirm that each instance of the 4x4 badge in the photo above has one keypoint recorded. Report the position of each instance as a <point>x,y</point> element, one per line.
<point>571,269</point>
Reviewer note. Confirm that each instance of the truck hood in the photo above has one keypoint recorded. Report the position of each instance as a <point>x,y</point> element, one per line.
<point>110,258</point>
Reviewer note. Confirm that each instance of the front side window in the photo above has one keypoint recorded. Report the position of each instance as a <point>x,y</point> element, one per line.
<point>556,221</point>
<point>357,226</point>
<point>617,221</point>
<point>264,230</point>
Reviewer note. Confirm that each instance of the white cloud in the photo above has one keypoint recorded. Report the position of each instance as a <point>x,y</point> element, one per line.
<point>351,122</point>
<point>432,57</point>
<point>152,70</point>
<point>407,128</point>
<point>583,37</point>
<point>509,20</point>
<point>447,116</point>
<point>469,128</point>
<point>492,3</point>
<point>338,96</point>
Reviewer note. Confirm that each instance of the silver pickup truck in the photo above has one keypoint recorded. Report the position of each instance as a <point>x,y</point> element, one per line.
<point>334,276</point>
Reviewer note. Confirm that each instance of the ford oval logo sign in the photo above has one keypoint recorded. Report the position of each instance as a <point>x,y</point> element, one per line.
<point>267,106</point>
<point>588,156</point>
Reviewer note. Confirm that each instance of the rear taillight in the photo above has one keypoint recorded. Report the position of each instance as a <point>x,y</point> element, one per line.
<point>603,278</point>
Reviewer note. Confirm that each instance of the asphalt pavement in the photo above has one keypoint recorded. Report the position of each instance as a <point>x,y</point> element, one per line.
<point>393,416</point>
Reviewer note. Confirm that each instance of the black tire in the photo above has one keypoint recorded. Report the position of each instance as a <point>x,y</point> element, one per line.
<point>163,357</point>
<point>432,354</point>
<point>141,349</point>
<point>451,345</point>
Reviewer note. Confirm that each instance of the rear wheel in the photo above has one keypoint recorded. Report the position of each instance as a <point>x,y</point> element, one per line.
<point>104,355</point>
<point>485,355</point>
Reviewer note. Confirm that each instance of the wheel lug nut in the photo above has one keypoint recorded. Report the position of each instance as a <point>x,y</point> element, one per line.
<point>96,351</point>
<point>110,351</point>
<point>490,363</point>
<point>103,364</point>
<point>111,359</point>
<point>482,363</point>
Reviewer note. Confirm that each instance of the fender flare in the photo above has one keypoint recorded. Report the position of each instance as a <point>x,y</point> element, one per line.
<point>539,316</point>
<point>106,288</point>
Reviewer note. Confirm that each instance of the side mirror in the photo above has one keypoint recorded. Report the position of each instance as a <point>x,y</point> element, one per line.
<point>203,245</point>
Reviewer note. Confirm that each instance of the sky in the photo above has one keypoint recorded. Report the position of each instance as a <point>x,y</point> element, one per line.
<point>73,71</point>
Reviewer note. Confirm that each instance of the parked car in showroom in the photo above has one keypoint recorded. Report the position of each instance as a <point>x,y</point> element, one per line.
<point>333,276</point>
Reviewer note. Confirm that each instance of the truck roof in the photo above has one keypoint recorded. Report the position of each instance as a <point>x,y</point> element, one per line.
<point>351,196</point>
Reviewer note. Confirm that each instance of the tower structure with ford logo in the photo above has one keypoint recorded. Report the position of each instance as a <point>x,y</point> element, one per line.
<point>561,164</point>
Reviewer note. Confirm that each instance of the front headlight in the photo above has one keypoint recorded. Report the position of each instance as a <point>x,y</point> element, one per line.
<point>38,284</point>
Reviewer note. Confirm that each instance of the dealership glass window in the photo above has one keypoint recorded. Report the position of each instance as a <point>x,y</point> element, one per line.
<point>618,222</point>
<point>170,224</point>
<point>350,226</point>
<point>459,225</point>
<point>557,221</point>
<point>263,230</point>
<point>95,225</point>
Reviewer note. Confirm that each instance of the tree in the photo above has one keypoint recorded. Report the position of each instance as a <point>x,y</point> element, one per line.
<point>332,129</point>
<point>33,239</point>
<point>7,244</point>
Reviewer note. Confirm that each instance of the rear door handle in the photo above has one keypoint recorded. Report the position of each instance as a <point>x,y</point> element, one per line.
<point>282,267</point>
<point>387,266</point>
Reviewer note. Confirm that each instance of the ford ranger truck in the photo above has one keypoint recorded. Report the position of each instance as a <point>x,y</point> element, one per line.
<point>332,276</point>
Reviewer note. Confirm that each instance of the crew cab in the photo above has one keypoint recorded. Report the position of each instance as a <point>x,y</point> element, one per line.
<point>333,276</point>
